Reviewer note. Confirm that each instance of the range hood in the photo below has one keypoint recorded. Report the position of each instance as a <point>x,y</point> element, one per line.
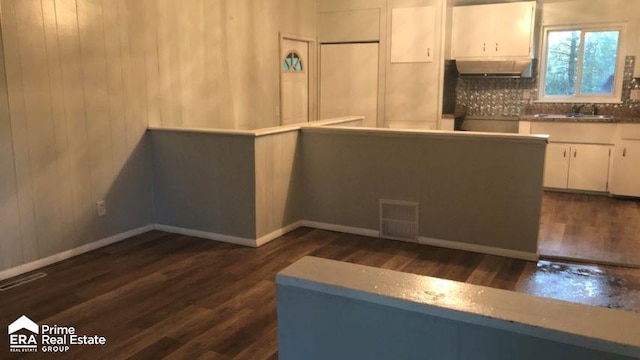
<point>495,68</point>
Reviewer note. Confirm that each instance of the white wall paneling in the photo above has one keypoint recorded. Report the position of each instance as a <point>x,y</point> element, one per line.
<point>75,126</point>
<point>10,245</point>
<point>218,62</point>
<point>275,161</point>
<point>349,26</point>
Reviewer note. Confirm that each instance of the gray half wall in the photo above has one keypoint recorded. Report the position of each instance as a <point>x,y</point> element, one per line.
<point>205,182</point>
<point>480,191</point>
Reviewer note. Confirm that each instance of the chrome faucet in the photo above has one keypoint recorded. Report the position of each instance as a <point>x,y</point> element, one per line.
<point>575,109</point>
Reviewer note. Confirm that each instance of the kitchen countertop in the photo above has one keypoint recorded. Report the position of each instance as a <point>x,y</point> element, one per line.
<point>614,120</point>
<point>493,118</point>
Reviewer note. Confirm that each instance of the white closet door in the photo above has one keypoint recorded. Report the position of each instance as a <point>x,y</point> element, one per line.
<point>349,81</point>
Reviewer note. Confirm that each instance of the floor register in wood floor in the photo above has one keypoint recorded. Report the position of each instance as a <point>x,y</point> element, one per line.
<point>160,295</point>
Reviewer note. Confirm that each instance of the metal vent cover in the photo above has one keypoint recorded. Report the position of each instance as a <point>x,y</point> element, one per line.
<point>21,281</point>
<point>399,220</point>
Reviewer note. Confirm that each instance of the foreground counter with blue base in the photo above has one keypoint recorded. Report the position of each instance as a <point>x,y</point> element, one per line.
<point>334,310</point>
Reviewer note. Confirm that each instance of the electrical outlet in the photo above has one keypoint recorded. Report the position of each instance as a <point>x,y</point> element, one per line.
<point>635,94</point>
<point>101,208</point>
<point>526,94</point>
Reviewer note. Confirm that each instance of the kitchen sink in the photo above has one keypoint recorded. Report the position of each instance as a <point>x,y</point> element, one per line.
<point>575,116</point>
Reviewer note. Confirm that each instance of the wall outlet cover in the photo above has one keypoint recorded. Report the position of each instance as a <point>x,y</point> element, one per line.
<point>101,208</point>
<point>635,94</point>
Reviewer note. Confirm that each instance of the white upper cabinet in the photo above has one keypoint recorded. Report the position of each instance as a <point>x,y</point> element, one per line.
<point>412,34</point>
<point>494,31</point>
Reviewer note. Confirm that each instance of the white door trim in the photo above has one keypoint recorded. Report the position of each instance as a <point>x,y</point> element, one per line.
<point>312,71</point>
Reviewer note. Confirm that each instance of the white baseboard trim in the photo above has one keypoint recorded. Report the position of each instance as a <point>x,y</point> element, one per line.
<point>276,234</point>
<point>37,264</point>
<point>523,255</point>
<point>207,235</point>
<point>340,228</point>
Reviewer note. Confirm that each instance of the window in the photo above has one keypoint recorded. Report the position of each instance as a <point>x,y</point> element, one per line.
<point>581,65</point>
<point>292,62</point>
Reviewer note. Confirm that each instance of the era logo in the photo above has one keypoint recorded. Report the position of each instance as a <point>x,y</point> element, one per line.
<point>22,335</point>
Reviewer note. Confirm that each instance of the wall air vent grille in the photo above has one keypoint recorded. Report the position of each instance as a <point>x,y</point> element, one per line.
<point>399,220</point>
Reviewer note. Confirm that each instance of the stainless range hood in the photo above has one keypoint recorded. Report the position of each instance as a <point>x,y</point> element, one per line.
<point>495,68</point>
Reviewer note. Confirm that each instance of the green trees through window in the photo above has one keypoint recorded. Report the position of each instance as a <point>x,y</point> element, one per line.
<point>581,62</point>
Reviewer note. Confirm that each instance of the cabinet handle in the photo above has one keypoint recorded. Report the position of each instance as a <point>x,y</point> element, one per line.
<point>429,52</point>
<point>484,47</point>
<point>564,155</point>
<point>496,47</point>
<point>575,153</point>
<point>624,152</point>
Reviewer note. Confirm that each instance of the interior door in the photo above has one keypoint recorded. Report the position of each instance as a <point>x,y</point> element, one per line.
<point>295,81</point>
<point>349,81</point>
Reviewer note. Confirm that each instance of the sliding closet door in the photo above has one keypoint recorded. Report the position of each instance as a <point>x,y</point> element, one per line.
<point>349,81</point>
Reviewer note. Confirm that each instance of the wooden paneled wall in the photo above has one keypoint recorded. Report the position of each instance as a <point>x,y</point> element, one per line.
<point>76,89</point>
<point>219,61</point>
<point>275,167</point>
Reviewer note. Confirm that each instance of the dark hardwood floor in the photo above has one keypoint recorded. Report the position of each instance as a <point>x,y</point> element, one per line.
<point>160,295</point>
<point>592,228</point>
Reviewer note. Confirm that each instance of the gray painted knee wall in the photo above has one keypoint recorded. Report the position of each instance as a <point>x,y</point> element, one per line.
<point>478,190</point>
<point>318,326</point>
<point>205,182</point>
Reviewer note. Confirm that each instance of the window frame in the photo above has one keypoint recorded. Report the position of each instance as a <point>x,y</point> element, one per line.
<point>615,98</point>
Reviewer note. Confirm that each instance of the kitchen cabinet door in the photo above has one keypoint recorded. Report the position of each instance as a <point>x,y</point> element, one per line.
<point>412,34</point>
<point>556,166</point>
<point>502,30</point>
<point>512,29</point>
<point>625,176</point>
<point>470,31</point>
<point>589,167</point>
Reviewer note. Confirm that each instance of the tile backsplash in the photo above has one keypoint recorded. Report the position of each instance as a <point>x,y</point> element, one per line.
<point>513,97</point>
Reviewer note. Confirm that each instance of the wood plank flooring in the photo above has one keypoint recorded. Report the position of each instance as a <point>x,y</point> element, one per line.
<point>160,295</point>
<point>592,228</point>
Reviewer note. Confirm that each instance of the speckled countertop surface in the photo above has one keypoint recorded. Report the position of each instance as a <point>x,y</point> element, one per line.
<point>551,118</point>
<point>492,118</point>
<point>620,114</point>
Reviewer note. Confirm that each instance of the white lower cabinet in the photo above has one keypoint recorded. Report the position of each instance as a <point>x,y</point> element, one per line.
<point>556,166</point>
<point>577,166</point>
<point>625,175</point>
